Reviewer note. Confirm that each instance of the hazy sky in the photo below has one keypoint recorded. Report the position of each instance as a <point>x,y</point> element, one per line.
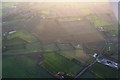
<point>60,0</point>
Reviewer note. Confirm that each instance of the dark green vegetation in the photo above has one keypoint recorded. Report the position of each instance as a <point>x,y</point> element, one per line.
<point>14,41</point>
<point>22,67</point>
<point>55,63</point>
<point>88,74</point>
<point>104,71</point>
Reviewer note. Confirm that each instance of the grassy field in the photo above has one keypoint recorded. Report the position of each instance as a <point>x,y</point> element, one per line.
<point>88,74</point>
<point>22,67</point>
<point>50,47</point>
<point>65,47</point>
<point>86,11</point>
<point>79,55</point>
<point>104,71</point>
<point>23,34</point>
<point>55,63</point>
<point>29,48</point>
<point>97,21</point>
<point>111,27</point>
<point>48,14</point>
<point>14,47</point>
<point>35,47</point>
<point>9,4</point>
<point>69,19</point>
<point>112,33</point>
<point>14,41</point>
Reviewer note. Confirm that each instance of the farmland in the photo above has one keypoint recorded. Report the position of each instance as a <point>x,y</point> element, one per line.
<point>97,21</point>
<point>101,70</point>
<point>22,67</point>
<point>58,40</point>
<point>55,63</point>
<point>88,74</point>
<point>77,54</point>
<point>23,34</point>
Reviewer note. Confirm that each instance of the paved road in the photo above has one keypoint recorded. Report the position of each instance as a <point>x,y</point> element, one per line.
<point>86,68</point>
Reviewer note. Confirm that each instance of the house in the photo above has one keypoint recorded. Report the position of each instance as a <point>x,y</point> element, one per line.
<point>11,32</point>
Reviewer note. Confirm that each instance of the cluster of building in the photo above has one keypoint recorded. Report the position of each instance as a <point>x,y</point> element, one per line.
<point>109,63</point>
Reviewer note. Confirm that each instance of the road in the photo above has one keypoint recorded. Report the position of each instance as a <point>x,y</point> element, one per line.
<point>86,68</point>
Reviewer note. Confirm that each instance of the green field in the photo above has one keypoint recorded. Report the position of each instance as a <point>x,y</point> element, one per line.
<point>30,48</point>
<point>111,49</point>
<point>34,47</point>
<point>111,27</point>
<point>69,19</point>
<point>14,41</point>
<point>79,55</point>
<point>48,14</point>
<point>21,46</point>
<point>10,4</point>
<point>88,74</point>
<point>97,21</point>
<point>55,63</point>
<point>86,11</point>
<point>50,48</point>
<point>104,71</point>
<point>23,34</point>
<point>112,33</point>
<point>70,54</point>
<point>22,67</point>
<point>65,47</point>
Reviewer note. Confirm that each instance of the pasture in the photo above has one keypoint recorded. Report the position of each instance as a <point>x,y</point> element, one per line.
<point>79,55</point>
<point>10,4</point>
<point>88,74</point>
<point>65,46</point>
<point>22,67</point>
<point>23,34</point>
<point>104,71</point>
<point>98,21</point>
<point>69,19</point>
<point>55,63</point>
<point>86,11</point>
<point>50,47</point>
<point>29,48</point>
<point>14,41</point>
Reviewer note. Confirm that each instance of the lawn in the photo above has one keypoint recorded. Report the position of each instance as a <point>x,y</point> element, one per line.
<point>22,67</point>
<point>55,63</point>
<point>104,71</point>
<point>97,21</point>
<point>23,34</point>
